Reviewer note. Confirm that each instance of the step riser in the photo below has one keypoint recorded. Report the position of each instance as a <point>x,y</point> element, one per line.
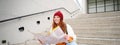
<point>99,42</point>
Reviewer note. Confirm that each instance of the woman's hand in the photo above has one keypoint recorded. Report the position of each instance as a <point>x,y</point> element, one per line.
<point>69,38</point>
<point>66,37</point>
<point>41,42</point>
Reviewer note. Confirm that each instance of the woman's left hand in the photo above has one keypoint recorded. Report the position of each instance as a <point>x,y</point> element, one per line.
<point>67,37</point>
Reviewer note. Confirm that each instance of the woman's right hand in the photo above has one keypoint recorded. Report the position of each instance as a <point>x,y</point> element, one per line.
<point>41,42</point>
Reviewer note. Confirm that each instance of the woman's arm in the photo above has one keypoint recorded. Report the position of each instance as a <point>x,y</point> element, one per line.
<point>71,33</point>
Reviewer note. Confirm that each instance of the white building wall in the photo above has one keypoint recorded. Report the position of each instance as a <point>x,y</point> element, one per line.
<point>15,8</point>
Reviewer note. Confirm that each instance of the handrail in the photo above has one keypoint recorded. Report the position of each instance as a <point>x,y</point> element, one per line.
<point>37,13</point>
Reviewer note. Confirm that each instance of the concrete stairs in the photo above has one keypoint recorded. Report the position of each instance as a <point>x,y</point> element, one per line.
<point>97,29</point>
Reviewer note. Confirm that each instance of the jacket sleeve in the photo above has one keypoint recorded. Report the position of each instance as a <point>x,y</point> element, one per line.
<point>71,32</point>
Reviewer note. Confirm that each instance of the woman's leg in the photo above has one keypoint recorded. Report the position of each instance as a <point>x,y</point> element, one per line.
<point>72,43</point>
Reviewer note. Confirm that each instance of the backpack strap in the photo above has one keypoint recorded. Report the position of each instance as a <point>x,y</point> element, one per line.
<point>66,29</point>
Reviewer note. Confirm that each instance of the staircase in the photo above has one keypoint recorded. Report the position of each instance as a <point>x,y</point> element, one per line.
<point>97,29</point>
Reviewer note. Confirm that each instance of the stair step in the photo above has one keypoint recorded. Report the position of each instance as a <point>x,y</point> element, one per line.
<point>96,15</point>
<point>98,35</point>
<point>94,20</point>
<point>96,25</point>
<point>87,44</point>
<point>110,30</point>
<point>98,41</point>
<point>96,28</point>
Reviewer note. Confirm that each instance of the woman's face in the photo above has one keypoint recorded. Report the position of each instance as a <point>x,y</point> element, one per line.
<point>56,19</point>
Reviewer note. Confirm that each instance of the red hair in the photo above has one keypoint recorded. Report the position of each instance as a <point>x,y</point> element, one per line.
<point>61,23</point>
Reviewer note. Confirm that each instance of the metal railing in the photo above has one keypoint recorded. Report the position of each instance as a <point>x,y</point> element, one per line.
<point>37,13</point>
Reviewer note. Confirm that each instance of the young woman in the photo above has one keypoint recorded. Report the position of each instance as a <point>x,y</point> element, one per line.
<point>70,35</point>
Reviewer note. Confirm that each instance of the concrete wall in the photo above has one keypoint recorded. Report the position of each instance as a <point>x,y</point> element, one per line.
<point>15,8</point>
